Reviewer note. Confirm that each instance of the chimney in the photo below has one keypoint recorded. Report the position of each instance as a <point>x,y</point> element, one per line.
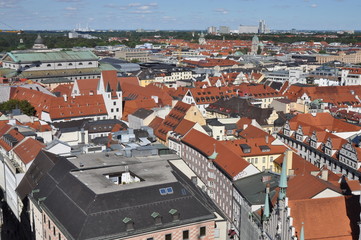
<point>266,139</point>
<point>157,218</point>
<point>175,214</point>
<point>129,224</point>
<point>65,97</point>
<point>194,180</point>
<point>245,126</point>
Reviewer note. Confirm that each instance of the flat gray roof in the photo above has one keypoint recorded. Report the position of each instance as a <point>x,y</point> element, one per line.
<point>152,169</point>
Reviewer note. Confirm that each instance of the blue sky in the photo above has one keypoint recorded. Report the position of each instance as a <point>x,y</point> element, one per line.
<point>179,14</point>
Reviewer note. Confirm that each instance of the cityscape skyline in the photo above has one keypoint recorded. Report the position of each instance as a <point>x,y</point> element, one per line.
<point>185,15</point>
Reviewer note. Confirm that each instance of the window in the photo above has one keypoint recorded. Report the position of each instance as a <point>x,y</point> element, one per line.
<point>168,237</point>
<point>54,231</point>
<point>186,234</point>
<point>59,65</point>
<point>49,65</point>
<point>202,231</point>
<point>49,224</point>
<point>150,238</point>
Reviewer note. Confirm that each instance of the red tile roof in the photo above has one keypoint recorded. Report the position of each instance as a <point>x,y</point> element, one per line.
<point>184,127</point>
<point>325,218</point>
<point>14,134</point>
<point>28,150</point>
<point>64,89</point>
<point>172,120</point>
<point>296,186</point>
<point>155,123</point>
<point>87,86</point>
<point>58,108</point>
<point>227,160</point>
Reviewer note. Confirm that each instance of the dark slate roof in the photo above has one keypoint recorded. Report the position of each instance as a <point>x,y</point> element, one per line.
<point>275,85</point>
<point>103,125</point>
<point>43,162</point>
<point>282,118</point>
<point>241,107</point>
<point>71,126</point>
<point>142,113</point>
<point>214,122</point>
<point>83,214</point>
<point>253,188</point>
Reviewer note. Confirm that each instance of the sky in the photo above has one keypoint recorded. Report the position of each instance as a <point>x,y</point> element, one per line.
<point>179,14</point>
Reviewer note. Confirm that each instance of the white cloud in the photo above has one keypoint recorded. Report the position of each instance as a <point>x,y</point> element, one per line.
<point>71,8</point>
<point>169,18</point>
<point>134,4</point>
<point>314,5</point>
<point>221,10</point>
<point>9,3</point>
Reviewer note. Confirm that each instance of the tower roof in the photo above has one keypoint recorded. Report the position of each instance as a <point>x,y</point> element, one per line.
<point>255,38</point>
<point>283,180</point>
<point>266,211</point>
<point>39,40</point>
<point>302,234</point>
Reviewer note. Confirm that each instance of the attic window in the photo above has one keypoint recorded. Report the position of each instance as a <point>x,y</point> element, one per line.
<point>264,148</point>
<point>245,148</point>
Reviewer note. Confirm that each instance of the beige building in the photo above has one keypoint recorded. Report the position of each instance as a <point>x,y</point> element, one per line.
<point>341,56</point>
<point>286,105</point>
<point>130,54</point>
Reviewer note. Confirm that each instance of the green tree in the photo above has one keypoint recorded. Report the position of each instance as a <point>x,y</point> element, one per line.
<point>23,105</point>
<point>259,50</point>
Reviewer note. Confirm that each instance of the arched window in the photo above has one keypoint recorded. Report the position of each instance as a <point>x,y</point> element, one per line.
<point>59,64</point>
<point>49,65</point>
<point>70,64</point>
<point>90,63</point>
<point>80,63</point>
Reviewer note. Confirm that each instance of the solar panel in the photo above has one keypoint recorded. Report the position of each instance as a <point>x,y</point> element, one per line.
<point>169,190</point>
<point>163,191</point>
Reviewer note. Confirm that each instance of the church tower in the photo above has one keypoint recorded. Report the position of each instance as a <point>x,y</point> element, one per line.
<point>201,39</point>
<point>39,43</point>
<point>255,44</point>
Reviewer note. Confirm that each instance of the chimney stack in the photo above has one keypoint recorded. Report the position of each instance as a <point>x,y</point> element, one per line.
<point>175,214</point>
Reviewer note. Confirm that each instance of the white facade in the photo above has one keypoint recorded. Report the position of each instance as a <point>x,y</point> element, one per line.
<point>349,79</point>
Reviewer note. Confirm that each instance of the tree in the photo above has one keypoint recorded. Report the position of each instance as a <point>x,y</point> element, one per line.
<point>23,105</point>
<point>259,50</point>
<point>134,60</point>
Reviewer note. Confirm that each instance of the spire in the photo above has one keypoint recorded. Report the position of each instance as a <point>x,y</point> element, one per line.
<point>266,210</point>
<point>302,234</point>
<point>283,180</point>
<point>214,154</point>
<point>119,89</point>
<point>108,88</point>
